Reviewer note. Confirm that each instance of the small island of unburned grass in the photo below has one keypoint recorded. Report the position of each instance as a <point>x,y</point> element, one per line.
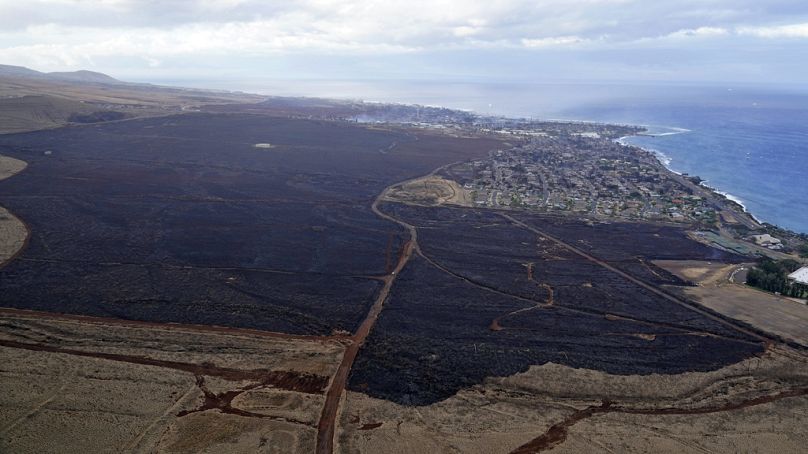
<point>430,191</point>
<point>12,230</point>
<point>10,167</point>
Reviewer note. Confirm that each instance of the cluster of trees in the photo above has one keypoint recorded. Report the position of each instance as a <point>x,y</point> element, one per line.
<point>772,276</point>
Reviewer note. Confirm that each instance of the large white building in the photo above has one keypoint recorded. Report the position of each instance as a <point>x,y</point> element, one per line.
<point>767,241</point>
<point>800,276</point>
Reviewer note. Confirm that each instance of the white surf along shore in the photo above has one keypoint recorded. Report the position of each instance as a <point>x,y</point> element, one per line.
<point>666,160</point>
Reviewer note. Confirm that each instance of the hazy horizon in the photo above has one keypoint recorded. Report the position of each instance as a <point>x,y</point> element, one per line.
<point>228,41</point>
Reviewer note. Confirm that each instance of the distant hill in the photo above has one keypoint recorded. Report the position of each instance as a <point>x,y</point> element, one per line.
<point>82,76</point>
<point>31,100</point>
<point>85,76</point>
<point>18,71</point>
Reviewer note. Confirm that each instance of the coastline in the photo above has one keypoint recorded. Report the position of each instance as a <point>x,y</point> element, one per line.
<point>665,161</point>
<point>734,199</point>
<point>647,130</point>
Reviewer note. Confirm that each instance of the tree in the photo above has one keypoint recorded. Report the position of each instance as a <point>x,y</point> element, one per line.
<point>772,276</point>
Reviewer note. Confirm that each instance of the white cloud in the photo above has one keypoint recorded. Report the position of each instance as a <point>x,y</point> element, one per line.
<point>75,46</point>
<point>778,31</point>
<point>49,34</point>
<point>699,32</point>
<point>466,30</point>
<point>553,41</point>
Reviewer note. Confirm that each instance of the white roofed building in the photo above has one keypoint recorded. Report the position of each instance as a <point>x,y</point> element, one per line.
<point>800,276</point>
<point>767,241</point>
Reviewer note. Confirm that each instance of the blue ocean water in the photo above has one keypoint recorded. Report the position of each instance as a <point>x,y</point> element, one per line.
<point>748,142</point>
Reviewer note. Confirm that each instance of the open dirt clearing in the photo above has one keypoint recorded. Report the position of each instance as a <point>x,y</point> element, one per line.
<point>777,315</point>
<point>118,388</point>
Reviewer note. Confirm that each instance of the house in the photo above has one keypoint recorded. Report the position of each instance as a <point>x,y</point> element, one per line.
<point>767,241</point>
<point>800,276</point>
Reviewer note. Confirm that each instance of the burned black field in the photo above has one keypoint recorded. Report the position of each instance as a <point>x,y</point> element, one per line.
<point>183,219</point>
<point>488,298</point>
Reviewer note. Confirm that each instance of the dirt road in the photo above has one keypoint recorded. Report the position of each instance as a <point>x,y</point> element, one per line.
<point>557,433</point>
<point>642,284</point>
<point>327,425</point>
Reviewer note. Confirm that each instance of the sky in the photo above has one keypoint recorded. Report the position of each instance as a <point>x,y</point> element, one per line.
<point>747,41</point>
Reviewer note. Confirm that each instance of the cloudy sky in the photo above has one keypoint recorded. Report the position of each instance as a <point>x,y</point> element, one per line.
<point>762,41</point>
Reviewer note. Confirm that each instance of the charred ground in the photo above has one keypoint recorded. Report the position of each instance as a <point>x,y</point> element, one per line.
<point>182,219</point>
<point>487,298</point>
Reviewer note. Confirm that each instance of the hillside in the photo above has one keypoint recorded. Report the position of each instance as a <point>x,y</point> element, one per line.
<point>32,100</point>
<point>84,76</point>
<point>32,112</point>
<point>81,76</point>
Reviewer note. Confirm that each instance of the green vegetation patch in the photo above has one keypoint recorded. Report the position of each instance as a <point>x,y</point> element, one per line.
<point>772,276</point>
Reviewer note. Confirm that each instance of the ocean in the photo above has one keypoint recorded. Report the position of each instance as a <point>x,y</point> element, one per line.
<point>749,143</point>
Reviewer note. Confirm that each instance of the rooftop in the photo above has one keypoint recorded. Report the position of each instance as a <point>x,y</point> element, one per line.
<point>765,239</point>
<point>801,275</point>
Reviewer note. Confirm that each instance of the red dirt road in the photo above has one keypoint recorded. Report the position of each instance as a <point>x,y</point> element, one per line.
<point>327,424</point>
<point>557,433</point>
<point>655,290</point>
<point>289,380</point>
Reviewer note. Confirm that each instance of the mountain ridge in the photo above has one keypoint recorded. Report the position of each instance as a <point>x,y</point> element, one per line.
<point>80,76</point>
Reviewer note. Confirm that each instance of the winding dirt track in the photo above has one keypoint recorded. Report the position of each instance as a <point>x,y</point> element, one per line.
<point>288,380</point>
<point>765,340</point>
<point>682,329</point>
<point>496,326</point>
<point>557,433</point>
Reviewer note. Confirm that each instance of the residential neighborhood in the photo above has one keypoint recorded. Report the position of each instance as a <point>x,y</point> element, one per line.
<point>582,173</point>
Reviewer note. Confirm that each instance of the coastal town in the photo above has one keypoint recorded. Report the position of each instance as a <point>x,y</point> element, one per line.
<point>583,173</point>
<point>585,170</point>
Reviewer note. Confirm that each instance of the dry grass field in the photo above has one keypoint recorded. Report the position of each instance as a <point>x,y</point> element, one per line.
<point>778,315</point>
<point>30,104</point>
<point>12,231</point>
<point>726,410</point>
<point>103,386</point>
<point>95,385</point>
